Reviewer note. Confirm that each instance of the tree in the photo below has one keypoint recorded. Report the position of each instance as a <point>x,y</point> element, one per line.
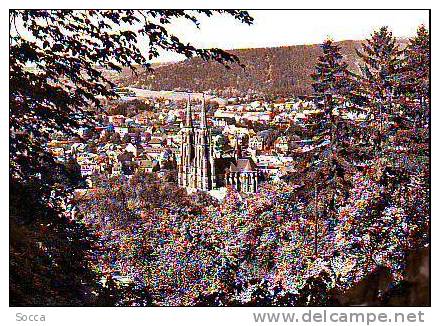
<point>417,75</point>
<point>58,64</point>
<point>331,85</point>
<point>50,255</point>
<point>73,170</point>
<point>411,157</point>
<point>395,85</point>
<point>221,143</point>
<point>380,83</point>
<point>372,226</point>
<point>327,161</point>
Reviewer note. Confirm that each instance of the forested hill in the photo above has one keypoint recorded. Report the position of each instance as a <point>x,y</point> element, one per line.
<point>279,70</point>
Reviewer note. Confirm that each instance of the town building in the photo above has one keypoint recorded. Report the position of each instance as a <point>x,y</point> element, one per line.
<point>256,143</point>
<point>242,174</point>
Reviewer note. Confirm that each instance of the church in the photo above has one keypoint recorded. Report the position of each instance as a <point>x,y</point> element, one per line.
<point>198,169</point>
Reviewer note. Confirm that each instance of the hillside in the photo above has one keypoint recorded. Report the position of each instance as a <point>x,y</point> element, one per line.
<point>279,70</point>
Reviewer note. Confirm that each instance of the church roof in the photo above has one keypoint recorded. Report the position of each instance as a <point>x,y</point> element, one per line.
<point>243,165</point>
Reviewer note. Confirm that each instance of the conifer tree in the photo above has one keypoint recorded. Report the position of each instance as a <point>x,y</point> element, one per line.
<point>326,164</point>
<point>332,84</point>
<point>417,76</point>
<point>394,87</point>
<point>380,84</point>
<point>412,159</point>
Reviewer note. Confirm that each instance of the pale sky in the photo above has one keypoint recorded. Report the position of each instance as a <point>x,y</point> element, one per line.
<point>290,27</point>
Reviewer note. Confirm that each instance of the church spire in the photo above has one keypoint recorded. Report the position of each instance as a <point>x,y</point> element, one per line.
<point>203,122</point>
<point>237,147</point>
<point>188,114</point>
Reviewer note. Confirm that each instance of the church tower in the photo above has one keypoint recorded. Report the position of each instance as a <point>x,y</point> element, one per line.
<point>205,173</point>
<point>186,149</point>
<point>196,169</point>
